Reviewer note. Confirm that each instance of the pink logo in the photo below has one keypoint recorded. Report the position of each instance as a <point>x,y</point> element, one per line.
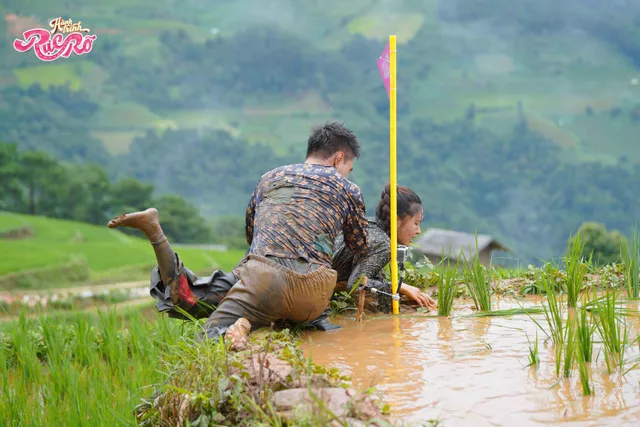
<point>49,45</point>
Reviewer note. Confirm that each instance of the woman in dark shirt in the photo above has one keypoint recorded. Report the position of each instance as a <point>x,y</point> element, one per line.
<point>351,267</point>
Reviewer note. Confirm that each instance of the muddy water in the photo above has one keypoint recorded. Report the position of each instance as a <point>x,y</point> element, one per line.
<point>472,371</point>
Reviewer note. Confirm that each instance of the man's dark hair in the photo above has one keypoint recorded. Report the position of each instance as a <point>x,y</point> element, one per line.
<point>327,139</point>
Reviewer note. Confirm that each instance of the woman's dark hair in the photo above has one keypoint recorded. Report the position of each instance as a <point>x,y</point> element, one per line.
<point>408,205</point>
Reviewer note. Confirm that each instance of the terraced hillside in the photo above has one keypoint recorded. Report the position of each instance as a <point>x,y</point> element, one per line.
<point>44,248</point>
<point>246,80</point>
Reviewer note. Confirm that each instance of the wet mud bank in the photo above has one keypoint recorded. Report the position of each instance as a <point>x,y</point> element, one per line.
<point>269,382</point>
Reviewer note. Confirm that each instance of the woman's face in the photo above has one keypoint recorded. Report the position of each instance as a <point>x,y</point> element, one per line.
<point>408,228</point>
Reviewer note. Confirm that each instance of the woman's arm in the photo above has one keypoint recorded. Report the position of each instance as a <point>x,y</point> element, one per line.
<point>372,264</point>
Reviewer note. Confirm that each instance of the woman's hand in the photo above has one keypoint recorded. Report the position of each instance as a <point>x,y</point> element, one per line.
<point>418,296</point>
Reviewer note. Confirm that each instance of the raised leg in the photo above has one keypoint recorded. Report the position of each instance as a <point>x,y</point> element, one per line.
<point>168,264</point>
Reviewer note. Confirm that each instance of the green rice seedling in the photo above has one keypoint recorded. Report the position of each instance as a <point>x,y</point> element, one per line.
<point>569,340</point>
<point>575,270</point>
<point>507,312</point>
<point>629,255</point>
<point>584,332</point>
<point>612,328</point>
<point>78,368</point>
<point>558,351</point>
<point>583,369</point>
<point>478,281</point>
<point>534,357</point>
<point>552,311</point>
<point>446,287</point>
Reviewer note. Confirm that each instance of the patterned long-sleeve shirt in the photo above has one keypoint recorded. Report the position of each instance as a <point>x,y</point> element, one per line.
<point>297,211</point>
<point>351,266</point>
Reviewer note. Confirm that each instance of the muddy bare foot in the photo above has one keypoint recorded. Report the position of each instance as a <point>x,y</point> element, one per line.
<point>146,221</point>
<point>238,334</point>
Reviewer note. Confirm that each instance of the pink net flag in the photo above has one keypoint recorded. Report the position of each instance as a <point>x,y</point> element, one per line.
<point>383,66</point>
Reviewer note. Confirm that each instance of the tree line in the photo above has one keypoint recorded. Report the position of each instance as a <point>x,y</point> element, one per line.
<point>57,120</point>
<point>35,183</point>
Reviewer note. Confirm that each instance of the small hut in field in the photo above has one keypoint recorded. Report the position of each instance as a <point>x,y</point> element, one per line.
<point>457,246</point>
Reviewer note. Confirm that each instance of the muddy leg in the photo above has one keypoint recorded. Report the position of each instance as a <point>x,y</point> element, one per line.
<point>149,223</point>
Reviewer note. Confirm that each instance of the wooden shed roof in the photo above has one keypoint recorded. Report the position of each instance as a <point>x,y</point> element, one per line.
<point>434,240</point>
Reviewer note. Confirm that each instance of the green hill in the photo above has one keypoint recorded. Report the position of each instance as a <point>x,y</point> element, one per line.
<point>447,61</point>
<point>201,98</point>
<point>50,244</point>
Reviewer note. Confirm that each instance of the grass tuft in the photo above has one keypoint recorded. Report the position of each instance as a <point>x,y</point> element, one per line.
<point>534,356</point>
<point>478,281</point>
<point>584,332</point>
<point>446,287</point>
<point>110,370</point>
<point>612,328</point>
<point>629,255</point>
<point>583,369</point>
<point>576,270</point>
<point>569,346</point>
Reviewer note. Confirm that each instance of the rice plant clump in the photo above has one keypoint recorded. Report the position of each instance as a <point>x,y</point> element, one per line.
<point>534,357</point>
<point>569,344</point>
<point>612,328</point>
<point>478,281</point>
<point>576,270</point>
<point>583,369</point>
<point>553,316</point>
<point>629,255</point>
<point>446,287</point>
<point>584,332</point>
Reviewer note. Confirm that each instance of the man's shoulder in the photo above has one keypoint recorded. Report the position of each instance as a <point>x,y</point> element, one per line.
<point>277,172</point>
<point>282,168</point>
<point>290,169</point>
<point>350,187</point>
<point>311,170</point>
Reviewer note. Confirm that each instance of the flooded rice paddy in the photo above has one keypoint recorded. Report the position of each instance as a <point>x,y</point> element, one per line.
<point>472,371</point>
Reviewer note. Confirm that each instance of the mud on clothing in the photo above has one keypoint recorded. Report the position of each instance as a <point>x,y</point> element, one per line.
<point>268,292</point>
<point>351,265</point>
<point>292,220</point>
<point>297,211</point>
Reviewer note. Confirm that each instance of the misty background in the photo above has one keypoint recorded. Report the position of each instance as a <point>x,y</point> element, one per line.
<point>518,119</point>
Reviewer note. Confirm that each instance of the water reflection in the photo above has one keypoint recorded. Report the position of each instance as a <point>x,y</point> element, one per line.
<point>473,371</point>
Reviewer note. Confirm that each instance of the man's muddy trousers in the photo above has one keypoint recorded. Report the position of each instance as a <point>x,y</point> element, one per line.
<point>263,290</point>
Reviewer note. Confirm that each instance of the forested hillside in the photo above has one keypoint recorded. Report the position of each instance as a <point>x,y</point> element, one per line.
<point>518,119</point>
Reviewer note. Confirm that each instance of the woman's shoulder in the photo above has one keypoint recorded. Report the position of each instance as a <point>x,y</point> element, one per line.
<point>376,234</point>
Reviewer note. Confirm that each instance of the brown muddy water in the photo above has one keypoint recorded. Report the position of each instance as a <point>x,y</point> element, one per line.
<point>472,371</point>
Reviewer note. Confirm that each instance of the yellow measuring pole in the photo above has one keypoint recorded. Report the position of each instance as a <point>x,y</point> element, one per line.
<point>392,168</point>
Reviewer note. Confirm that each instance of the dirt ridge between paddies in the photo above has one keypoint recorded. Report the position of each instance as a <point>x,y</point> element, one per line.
<point>112,369</point>
<point>77,289</point>
<point>125,305</point>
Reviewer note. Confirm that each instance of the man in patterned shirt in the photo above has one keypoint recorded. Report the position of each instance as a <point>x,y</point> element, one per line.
<point>293,218</point>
